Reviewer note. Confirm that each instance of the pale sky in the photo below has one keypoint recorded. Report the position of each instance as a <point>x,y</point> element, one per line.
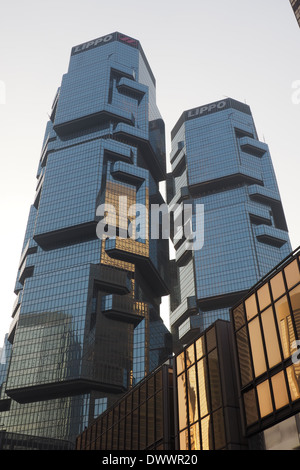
<point>200,51</point>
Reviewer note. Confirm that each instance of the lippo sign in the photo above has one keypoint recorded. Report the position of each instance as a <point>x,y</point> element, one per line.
<point>104,40</point>
<point>207,109</point>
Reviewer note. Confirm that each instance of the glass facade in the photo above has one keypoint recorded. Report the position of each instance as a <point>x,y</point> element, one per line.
<point>296,7</point>
<point>219,164</point>
<point>141,420</point>
<point>86,322</point>
<point>207,400</point>
<point>266,335</point>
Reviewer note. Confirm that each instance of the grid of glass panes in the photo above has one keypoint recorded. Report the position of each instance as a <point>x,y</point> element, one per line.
<point>200,407</point>
<point>267,327</point>
<point>135,423</point>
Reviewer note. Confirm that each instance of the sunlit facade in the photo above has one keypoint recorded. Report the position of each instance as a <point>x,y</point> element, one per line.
<point>267,339</point>
<point>207,412</point>
<point>86,322</point>
<point>219,164</point>
<point>236,386</point>
<point>296,7</point>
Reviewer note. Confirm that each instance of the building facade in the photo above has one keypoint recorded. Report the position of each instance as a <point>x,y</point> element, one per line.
<point>219,165</point>
<point>266,329</point>
<point>143,419</point>
<point>296,7</point>
<point>236,386</point>
<point>86,322</point>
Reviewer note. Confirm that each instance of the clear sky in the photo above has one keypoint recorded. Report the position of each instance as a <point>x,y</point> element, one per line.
<point>199,50</point>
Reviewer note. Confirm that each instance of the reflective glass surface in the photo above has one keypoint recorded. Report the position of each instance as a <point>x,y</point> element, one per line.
<point>217,161</point>
<point>199,396</point>
<point>267,347</point>
<point>87,323</point>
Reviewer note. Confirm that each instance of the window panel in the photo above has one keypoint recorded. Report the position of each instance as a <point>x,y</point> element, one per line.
<point>214,376</point>
<point>195,437</point>
<point>244,356</point>
<point>181,386</point>
<point>219,429</point>
<point>277,286</point>
<point>293,375</point>
<point>270,334</point>
<point>287,334</point>
<point>190,355</point>
<point>239,316</point>
<point>292,274</point>
<point>279,390</point>
<point>203,387</point>
<point>264,298</point>
<point>258,354</point>
<point>264,399</point>
<point>206,433</point>
<point>200,347</point>
<point>295,302</point>
<point>192,394</point>
<point>251,307</point>
<point>180,363</point>
<point>184,440</point>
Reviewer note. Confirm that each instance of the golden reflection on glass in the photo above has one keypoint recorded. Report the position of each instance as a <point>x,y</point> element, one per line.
<point>244,356</point>
<point>250,407</point>
<point>206,433</point>
<point>292,274</point>
<point>287,334</point>
<point>293,375</point>
<point>195,437</point>
<point>203,387</point>
<point>200,347</point>
<point>239,316</point>
<point>251,307</point>
<point>295,302</point>
<point>264,298</point>
<point>279,390</point>
<point>190,355</point>
<point>270,334</point>
<point>182,401</point>
<point>277,286</point>
<point>258,355</point>
<point>264,399</point>
<point>184,440</point>
<point>219,429</point>
<point>192,394</point>
<point>180,363</point>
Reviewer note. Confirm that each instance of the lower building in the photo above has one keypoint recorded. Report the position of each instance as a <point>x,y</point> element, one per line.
<point>207,414</point>
<point>266,334</point>
<point>141,420</point>
<point>236,386</point>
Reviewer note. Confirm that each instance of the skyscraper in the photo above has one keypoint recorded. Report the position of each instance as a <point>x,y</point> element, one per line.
<point>219,164</point>
<point>296,7</point>
<point>86,322</point>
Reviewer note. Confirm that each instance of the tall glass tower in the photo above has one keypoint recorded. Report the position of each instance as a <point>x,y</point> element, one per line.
<point>86,321</point>
<point>219,164</point>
